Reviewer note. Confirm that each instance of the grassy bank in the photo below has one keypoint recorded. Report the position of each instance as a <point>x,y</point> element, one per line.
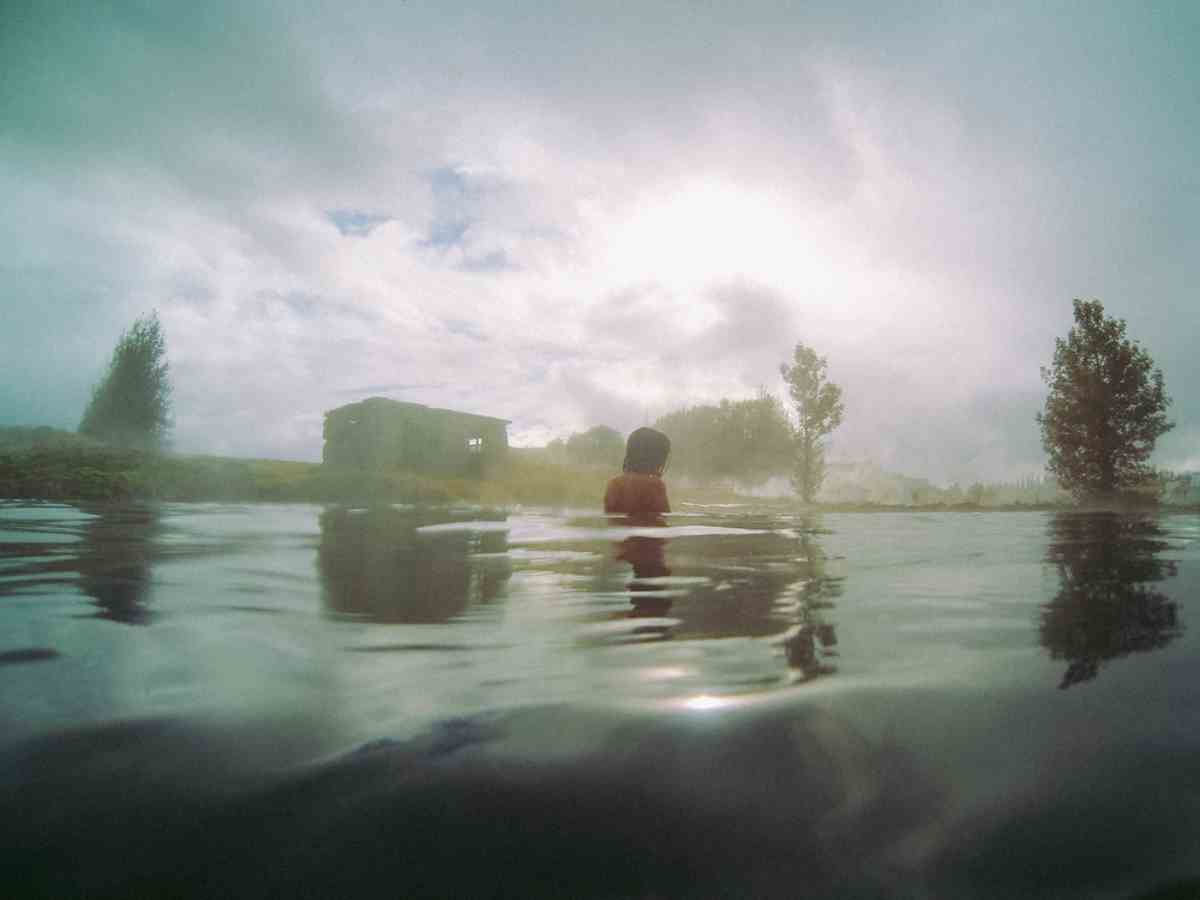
<point>53,465</point>
<point>79,470</point>
<point>91,472</point>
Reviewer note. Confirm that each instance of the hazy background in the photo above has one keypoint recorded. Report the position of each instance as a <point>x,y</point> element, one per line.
<point>574,214</point>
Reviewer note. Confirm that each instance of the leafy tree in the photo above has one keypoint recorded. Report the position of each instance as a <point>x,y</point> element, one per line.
<point>693,431</point>
<point>744,440</point>
<point>819,410</point>
<point>131,405</point>
<point>1106,407</point>
<point>978,494</point>
<point>599,445</point>
<point>758,438</point>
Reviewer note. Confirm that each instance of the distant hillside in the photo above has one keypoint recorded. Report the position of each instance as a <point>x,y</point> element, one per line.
<point>866,482</point>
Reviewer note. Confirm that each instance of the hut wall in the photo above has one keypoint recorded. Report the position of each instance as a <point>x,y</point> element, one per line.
<point>380,432</point>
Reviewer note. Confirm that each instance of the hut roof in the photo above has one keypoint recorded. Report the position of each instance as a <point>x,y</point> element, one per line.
<point>380,401</point>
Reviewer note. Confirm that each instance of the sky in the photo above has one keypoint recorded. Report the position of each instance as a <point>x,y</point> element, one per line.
<point>568,214</point>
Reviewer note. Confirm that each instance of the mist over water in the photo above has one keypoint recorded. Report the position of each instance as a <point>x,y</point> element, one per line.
<point>739,702</point>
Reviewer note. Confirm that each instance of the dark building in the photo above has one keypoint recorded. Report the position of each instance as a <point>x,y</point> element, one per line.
<point>381,432</point>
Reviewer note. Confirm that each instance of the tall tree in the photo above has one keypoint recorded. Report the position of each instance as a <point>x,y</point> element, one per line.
<point>819,410</point>
<point>746,441</point>
<point>599,445</point>
<point>755,438</point>
<point>1106,407</point>
<point>131,405</point>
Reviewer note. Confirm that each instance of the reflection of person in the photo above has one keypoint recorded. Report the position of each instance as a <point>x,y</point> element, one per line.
<point>639,490</point>
<point>646,555</point>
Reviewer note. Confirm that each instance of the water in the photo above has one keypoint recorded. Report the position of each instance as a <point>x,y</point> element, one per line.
<point>469,702</point>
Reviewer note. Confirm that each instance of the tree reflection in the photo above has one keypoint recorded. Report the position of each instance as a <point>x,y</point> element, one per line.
<point>117,550</point>
<point>380,565</point>
<point>1106,606</point>
<point>812,643</point>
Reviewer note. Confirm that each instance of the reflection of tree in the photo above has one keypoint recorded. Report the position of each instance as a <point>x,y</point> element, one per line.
<point>811,643</point>
<point>376,564</point>
<point>1106,607</point>
<point>115,563</point>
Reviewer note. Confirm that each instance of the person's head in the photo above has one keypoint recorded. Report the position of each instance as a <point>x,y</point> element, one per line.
<point>646,452</point>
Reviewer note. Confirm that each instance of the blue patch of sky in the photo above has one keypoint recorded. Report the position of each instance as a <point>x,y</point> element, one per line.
<point>369,389</point>
<point>302,304</point>
<point>356,222</point>
<point>456,201</point>
<point>445,234</point>
<point>496,261</point>
<point>452,196</point>
<point>190,289</point>
<point>458,326</point>
<point>299,302</point>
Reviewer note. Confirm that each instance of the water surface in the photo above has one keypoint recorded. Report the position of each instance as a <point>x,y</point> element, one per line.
<point>731,702</point>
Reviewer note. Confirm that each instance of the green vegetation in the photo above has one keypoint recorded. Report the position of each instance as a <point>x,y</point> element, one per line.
<point>598,446</point>
<point>740,441</point>
<point>131,405</point>
<point>57,465</point>
<point>42,463</point>
<point>819,410</point>
<point>1105,410</point>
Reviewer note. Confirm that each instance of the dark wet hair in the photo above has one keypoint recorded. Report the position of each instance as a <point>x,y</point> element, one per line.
<point>646,452</point>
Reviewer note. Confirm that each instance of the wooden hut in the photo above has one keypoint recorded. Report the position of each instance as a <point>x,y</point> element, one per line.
<point>380,432</point>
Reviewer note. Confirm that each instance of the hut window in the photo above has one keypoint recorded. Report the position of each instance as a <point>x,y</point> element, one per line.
<point>474,445</point>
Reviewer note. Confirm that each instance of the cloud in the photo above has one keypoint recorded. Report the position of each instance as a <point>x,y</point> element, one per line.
<point>595,217</point>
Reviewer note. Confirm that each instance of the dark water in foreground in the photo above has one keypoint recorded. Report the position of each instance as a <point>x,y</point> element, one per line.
<point>201,700</point>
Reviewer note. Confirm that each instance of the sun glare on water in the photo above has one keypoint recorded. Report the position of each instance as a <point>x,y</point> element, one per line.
<point>702,702</point>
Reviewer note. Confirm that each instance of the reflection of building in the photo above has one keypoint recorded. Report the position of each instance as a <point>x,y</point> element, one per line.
<point>378,564</point>
<point>382,432</point>
<point>1106,606</point>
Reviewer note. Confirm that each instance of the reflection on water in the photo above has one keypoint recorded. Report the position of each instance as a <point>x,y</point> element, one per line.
<point>544,691</point>
<point>104,551</point>
<point>378,565</point>
<point>811,647</point>
<point>551,586</point>
<point>1107,605</point>
<point>115,562</point>
<point>648,597</point>
<point>750,582</point>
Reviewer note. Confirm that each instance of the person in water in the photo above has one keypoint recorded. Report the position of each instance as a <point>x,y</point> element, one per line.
<point>639,490</point>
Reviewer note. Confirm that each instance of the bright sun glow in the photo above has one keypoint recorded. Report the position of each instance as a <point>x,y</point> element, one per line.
<point>712,231</point>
